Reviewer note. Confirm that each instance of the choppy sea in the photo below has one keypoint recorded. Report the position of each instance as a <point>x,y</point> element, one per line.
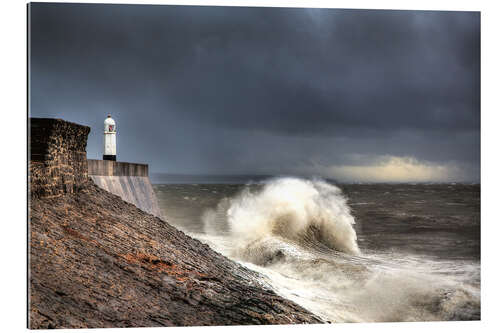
<point>348,253</point>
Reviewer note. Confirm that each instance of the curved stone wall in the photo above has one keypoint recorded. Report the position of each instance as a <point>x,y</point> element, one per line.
<point>130,181</point>
<point>58,165</point>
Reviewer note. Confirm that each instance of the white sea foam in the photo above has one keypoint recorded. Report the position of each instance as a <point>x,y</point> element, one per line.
<point>299,234</point>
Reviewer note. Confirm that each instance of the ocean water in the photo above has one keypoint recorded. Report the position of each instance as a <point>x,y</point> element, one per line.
<point>348,253</point>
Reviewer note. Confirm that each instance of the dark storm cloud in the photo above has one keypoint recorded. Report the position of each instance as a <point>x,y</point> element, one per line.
<point>218,89</point>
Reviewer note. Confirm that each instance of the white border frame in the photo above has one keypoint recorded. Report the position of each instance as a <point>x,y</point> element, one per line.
<point>14,141</point>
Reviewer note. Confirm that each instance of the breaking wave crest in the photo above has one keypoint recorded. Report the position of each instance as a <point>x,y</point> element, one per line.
<point>288,211</point>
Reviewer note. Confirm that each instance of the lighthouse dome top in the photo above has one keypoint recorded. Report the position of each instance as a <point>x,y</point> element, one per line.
<point>109,124</point>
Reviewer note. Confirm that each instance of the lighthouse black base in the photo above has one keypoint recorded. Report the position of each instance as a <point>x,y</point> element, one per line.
<point>109,157</point>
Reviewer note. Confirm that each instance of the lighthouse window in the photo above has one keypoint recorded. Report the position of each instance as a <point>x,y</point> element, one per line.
<point>111,128</point>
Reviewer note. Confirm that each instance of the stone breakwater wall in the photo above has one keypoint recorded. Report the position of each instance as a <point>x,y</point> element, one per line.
<point>58,157</point>
<point>58,165</point>
<point>130,181</point>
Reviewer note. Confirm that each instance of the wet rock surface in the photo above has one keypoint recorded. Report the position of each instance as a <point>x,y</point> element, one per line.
<point>98,261</point>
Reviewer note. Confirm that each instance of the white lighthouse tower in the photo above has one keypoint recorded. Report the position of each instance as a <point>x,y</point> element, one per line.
<point>109,139</point>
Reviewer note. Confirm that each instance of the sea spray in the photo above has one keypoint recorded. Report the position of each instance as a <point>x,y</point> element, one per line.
<point>264,222</point>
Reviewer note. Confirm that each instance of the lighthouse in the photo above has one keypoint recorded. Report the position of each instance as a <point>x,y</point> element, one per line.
<point>109,139</point>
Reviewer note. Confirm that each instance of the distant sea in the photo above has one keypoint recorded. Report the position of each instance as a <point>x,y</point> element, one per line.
<point>164,178</point>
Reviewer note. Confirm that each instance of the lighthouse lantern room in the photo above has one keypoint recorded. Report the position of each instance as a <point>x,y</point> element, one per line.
<point>109,139</point>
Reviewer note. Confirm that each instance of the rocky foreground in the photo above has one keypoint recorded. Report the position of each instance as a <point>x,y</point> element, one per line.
<point>98,261</point>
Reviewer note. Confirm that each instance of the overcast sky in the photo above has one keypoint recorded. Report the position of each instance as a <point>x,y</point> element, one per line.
<point>355,95</point>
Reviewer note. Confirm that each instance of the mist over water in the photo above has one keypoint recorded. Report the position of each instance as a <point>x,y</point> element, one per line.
<point>364,253</point>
